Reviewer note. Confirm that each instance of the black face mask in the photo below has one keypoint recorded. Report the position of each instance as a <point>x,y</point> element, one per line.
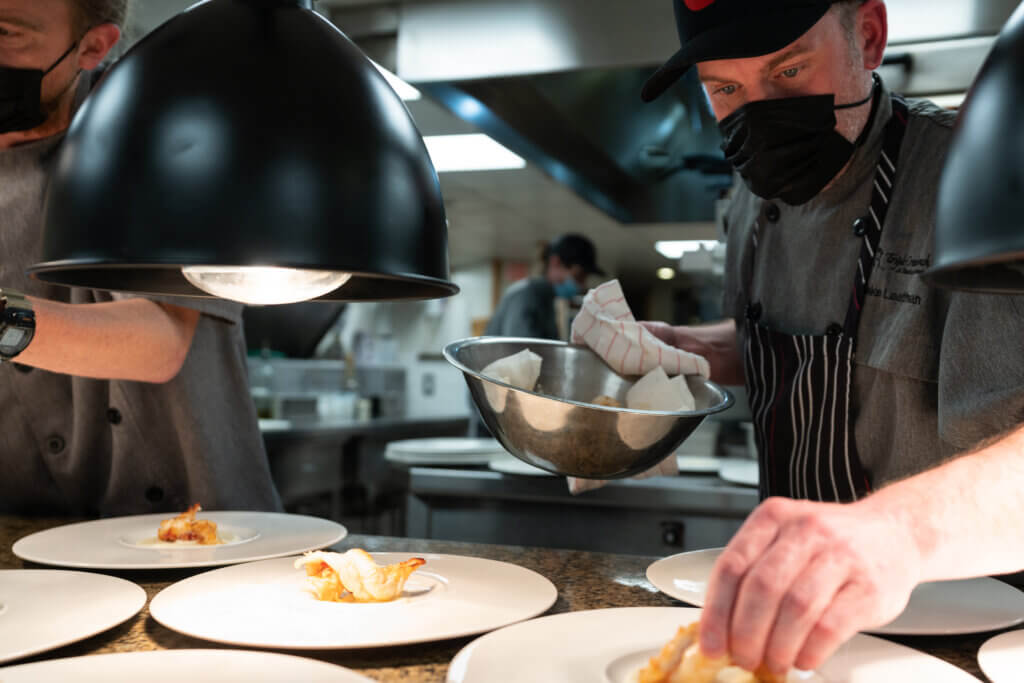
<point>21,96</point>
<point>789,148</point>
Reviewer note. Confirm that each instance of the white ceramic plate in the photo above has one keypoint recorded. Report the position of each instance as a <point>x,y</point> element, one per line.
<point>738,471</point>
<point>698,464</point>
<point>1001,657</point>
<point>445,445</point>
<point>127,542</point>
<point>41,609</point>
<point>509,464</point>
<point>175,666</point>
<point>272,424</point>
<point>939,608</point>
<point>266,604</point>
<point>440,458</point>
<point>608,645</point>
<point>443,451</point>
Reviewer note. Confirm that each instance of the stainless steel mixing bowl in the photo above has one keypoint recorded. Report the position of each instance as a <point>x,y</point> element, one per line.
<point>556,427</point>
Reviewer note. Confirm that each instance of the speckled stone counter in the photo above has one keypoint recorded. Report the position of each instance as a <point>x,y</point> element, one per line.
<point>584,581</point>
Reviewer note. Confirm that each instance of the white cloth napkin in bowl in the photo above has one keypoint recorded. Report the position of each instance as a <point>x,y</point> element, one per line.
<point>607,325</point>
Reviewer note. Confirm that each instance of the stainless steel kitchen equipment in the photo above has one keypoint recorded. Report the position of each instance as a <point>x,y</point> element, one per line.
<point>556,427</point>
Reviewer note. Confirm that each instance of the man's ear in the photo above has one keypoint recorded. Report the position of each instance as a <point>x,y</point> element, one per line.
<point>873,32</point>
<point>96,44</point>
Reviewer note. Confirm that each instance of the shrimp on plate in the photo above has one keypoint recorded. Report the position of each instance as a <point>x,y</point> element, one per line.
<point>681,661</point>
<point>354,576</point>
<point>185,527</point>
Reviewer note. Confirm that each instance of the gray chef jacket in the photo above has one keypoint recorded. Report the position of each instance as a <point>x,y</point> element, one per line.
<point>526,310</point>
<point>77,446</point>
<point>936,372</point>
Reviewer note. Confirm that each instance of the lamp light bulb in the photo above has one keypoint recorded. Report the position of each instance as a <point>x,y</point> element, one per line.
<point>264,285</point>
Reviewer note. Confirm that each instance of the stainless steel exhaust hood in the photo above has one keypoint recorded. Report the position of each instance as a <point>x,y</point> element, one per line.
<point>558,82</point>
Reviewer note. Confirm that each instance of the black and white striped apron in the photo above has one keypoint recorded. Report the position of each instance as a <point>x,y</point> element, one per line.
<point>799,385</point>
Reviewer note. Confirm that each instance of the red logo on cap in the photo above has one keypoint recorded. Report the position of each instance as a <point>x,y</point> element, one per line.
<point>698,5</point>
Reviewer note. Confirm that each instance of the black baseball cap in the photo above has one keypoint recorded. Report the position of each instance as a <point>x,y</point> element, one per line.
<point>733,29</point>
<point>574,250</point>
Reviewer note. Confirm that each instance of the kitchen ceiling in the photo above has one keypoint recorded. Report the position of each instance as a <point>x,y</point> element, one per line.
<point>492,214</point>
<point>560,77</point>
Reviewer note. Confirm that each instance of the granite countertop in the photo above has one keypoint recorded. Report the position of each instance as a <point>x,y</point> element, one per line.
<point>584,580</point>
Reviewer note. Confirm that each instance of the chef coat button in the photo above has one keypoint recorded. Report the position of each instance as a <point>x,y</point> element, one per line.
<point>754,311</point>
<point>24,369</point>
<point>154,494</point>
<point>114,416</point>
<point>772,213</point>
<point>55,444</point>
<point>860,226</point>
<point>834,330</point>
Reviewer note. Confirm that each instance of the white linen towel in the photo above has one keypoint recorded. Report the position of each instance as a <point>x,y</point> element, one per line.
<point>607,325</point>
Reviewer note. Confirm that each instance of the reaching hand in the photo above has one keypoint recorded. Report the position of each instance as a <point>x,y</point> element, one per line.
<point>716,343</point>
<point>665,333</point>
<point>800,578</point>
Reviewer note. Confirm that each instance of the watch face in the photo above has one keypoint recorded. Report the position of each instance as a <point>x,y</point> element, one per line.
<point>11,339</point>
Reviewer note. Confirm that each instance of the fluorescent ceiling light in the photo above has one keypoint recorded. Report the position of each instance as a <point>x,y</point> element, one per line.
<point>666,273</point>
<point>473,152</point>
<point>674,249</point>
<point>404,90</point>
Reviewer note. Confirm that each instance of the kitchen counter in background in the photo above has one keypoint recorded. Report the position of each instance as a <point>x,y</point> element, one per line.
<point>321,467</point>
<point>337,469</point>
<point>584,580</point>
<point>661,515</point>
<point>339,431</point>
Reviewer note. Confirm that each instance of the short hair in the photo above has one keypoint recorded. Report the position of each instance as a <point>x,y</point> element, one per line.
<point>848,14</point>
<point>89,13</point>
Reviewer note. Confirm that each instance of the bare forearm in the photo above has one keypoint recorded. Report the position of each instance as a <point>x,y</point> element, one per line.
<point>134,339</point>
<point>966,515</point>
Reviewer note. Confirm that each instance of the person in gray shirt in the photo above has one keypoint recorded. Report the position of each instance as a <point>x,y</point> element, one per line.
<point>118,404</point>
<point>888,414</point>
<point>527,308</point>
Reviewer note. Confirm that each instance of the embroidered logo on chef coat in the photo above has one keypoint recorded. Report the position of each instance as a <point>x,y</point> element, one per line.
<point>900,274</point>
<point>901,264</point>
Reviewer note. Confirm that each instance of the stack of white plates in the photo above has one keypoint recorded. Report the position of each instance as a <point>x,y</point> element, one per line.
<point>443,451</point>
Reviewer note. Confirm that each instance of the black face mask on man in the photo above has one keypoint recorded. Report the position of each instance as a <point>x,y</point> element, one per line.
<point>21,106</point>
<point>788,148</point>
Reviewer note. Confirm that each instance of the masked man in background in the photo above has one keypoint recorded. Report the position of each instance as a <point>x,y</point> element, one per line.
<point>528,307</point>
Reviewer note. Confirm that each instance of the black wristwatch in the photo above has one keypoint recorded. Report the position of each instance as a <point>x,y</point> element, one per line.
<point>17,323</point>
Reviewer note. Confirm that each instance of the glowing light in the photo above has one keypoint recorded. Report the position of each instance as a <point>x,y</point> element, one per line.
<point>264,285</point>
<point>674,249</point>
<point>473,152</point>
<point>666,273</point>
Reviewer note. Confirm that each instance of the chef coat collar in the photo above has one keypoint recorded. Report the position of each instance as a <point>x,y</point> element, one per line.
<point>864,161</point>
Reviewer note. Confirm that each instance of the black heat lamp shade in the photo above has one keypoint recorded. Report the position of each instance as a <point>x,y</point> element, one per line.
<point>979,239</point>
<point>246,133</point>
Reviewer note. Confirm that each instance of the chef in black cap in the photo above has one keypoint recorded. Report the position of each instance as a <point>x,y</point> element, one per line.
<point>866,386</point>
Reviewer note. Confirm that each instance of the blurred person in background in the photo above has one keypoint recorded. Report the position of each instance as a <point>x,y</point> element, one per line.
<point>527,308</point>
